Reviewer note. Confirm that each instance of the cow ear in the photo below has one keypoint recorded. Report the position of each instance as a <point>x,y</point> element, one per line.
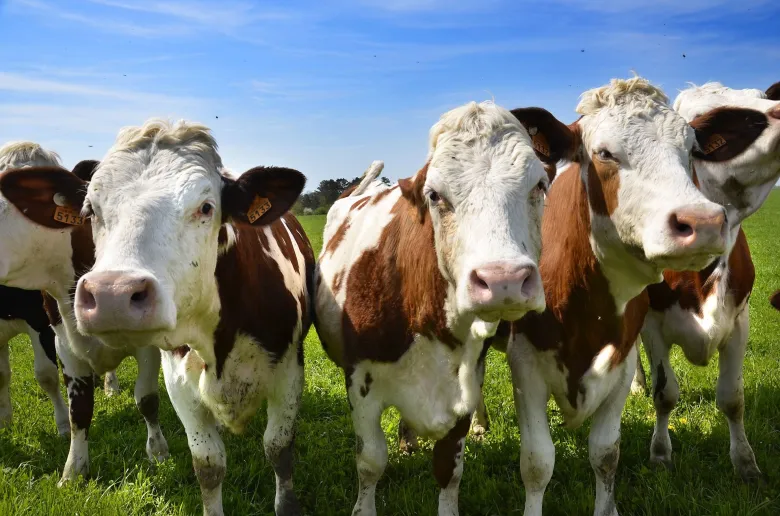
<point>261,195</point>
<point>84,169</point>
<point>412,191</point>
<point>726,132</point>
<point>49,196</point>
<point>552,139</point>
<point>773,92</point>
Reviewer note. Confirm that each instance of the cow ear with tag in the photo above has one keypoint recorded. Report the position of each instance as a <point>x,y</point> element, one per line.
<point>49,196</point>
<point>261,195</point>
<point>726,132</point>
<point>552,139</point>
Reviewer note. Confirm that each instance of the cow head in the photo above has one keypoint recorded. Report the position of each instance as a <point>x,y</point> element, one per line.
<point>483,189</point>
<point>34,228</point>
<point>737,160</point>
<point>157,203</point>
<point>646,212</point>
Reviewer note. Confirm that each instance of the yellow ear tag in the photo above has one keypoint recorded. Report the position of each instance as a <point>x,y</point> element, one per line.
<point>68,216</point>
<point>258,208</point>
<point>540,144</point>
<point>715,142</point>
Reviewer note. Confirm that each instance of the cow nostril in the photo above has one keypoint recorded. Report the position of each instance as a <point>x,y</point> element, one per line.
<point>680,228</point>
<point>139,297</point>
<point>478,281</point>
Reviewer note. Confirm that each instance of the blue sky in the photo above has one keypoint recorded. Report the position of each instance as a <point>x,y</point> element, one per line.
<point>327,86</point>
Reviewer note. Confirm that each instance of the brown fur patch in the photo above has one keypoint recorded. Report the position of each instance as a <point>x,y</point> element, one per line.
<point>252,293</point>
<point>81,400</point>
<point>358,205</point>
<point>735,128</point>
<point>775,300</point>
<point>337,237</point>
<point>690,289</point>
<point>445,451</point>
<point>395,291</point>
<point>412,191</point>
<point>581,317</point>
<point>773,92</point>
<point>603,186</point>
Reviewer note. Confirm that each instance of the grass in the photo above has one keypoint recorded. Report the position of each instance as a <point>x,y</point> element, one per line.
<point>702,482</point>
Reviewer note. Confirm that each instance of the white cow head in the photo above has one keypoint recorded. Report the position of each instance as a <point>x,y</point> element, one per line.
<point>157,203</point>
<point>29,251</point>
<point>646,212</point>
<point>483,189</point>
<point>738,131</point>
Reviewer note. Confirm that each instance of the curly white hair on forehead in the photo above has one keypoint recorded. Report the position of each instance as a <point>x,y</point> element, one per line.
<point>636,92</point>
<point>472,121</point>
<point>26,154</point>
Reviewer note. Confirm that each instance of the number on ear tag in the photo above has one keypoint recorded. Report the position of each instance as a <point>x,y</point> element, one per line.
<point>68,216</point>
<point>540,144</point>
<point>258,208</point>
<point>715,142</point>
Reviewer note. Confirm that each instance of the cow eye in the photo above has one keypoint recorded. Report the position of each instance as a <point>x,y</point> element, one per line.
<point>605,155</point>
<point>433,196</point>
<point>206,208</point>
<point>542,186</point>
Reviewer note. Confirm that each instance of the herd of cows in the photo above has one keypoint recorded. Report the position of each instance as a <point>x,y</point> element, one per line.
<point>558,244</point>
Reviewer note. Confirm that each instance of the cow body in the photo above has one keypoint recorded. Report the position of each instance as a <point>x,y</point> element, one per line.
<point>408,291</point>
<point>21,311</point>
<point>44,254</point>
<point>706,312</point>
<point>603,243</point>
<point>211,270</point>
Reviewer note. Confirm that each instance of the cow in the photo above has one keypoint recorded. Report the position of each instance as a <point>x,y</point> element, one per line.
<point>21,311</point>
<point>47,247</point>
<point>623,211</point>
<point>706,312</point>
<point>413,278</point>
<point>209,268</point>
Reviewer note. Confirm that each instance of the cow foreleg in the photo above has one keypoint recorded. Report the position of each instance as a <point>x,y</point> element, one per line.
<point>666,391</point>
<point>604,440</point>
<point>448,466</point>
<point>537,454</point>
<point>79,383</point>
<point>280,433</point>
<point>730,398</point>
<point>371,446</point>
<point>110,384</point>
<point>208,451</point>
<point>639,385</point>
<point>47,374</point>
<point>147,399</point>
<point>480,424</point>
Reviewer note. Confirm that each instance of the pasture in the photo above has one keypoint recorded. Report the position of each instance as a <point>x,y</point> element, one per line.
<point>702,481</point>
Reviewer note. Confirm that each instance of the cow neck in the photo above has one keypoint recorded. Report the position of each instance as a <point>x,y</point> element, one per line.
<point>581,318</point>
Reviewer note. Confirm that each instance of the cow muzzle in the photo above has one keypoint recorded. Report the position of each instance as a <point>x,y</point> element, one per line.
<point>120,301</point>
<point>693,235</point>
<point>505,290</point>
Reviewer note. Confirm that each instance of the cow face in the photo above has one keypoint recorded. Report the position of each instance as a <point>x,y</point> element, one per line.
<point>32,254</point>
<point>737,160</point>
<point>158,202</point>
<point>646,212</point>
<point>483,189</point>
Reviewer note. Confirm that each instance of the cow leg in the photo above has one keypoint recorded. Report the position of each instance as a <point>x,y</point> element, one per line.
<point>47,374</point>
<point>371,446</point>
<point>110,384</point>
<point>6,409</point>
<point>407,438</point>
<point>480,424</point>
<point>79,383</point>
<point>147,399</point>
<point>639,385</point>
<point>730,398</point>
<point>537,453</point>
<point>448,466</point>
<point>604,440</point>
<point>280,433</point>
<point>208,451</point>
<point>666,392</point>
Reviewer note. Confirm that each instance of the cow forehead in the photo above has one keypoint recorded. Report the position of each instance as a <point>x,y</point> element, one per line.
<point>698,100</point>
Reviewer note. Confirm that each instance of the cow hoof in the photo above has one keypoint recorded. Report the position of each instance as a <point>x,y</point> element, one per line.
<point>64,431</point>
<point>753,475</point>
<point>479,431</point>
<point>287,505</point>
<point>157,450</point>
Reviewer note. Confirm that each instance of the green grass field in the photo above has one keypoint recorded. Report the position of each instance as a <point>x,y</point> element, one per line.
<point>702,482</point>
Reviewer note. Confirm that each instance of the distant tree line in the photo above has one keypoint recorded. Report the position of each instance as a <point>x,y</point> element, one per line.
<point>320,200</point>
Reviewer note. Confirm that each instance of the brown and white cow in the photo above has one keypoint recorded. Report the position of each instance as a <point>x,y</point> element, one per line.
<point>413,278</point>
<point>21,311</point>
<point>46,247</point>
<point>705,312</point>
<point>625,210</point>
<point>208,268</point>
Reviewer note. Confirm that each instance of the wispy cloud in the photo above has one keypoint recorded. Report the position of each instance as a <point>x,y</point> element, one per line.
<point>663,7</point>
